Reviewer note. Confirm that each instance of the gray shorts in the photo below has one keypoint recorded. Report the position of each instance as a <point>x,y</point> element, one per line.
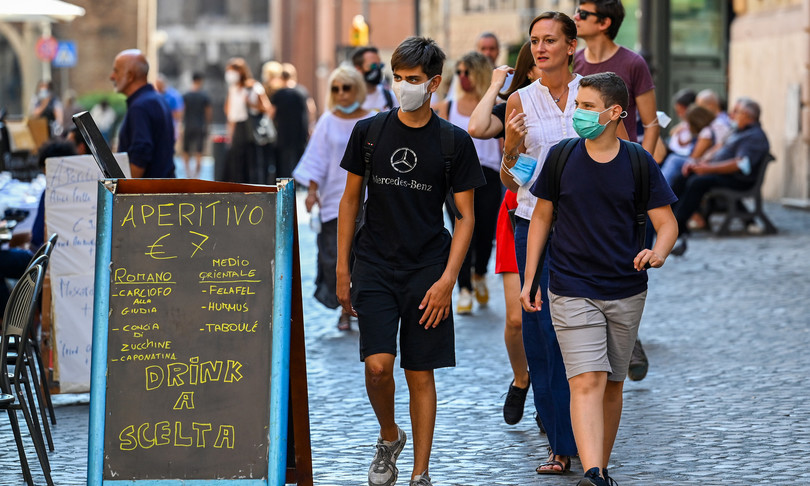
<point>596,335</point>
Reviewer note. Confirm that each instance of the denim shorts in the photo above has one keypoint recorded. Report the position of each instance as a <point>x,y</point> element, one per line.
<point>596,335</point>
<point>387,300</point>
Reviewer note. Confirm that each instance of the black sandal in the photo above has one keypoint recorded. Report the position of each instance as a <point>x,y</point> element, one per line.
<point>564,467</point>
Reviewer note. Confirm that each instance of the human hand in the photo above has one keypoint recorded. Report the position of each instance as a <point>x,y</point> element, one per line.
<point>526,302</point>
<point>516,130</point>
<point>686,169</point>
<point>499,75</point>
<point>344,292</point>
<point>437,302</point>
<point>647,257</point>
<point>312,200</point>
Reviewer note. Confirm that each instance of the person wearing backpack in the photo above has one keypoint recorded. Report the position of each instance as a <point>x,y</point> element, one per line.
<point>597,277</point>
<point>406,262</point>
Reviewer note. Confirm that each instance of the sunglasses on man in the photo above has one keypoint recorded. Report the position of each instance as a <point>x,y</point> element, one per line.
<point>584,14</point>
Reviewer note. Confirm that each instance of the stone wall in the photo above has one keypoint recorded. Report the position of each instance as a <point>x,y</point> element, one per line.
<point>768,61</point>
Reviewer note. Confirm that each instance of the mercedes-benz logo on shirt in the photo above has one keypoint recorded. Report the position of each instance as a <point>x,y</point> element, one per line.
<point>403,160</point>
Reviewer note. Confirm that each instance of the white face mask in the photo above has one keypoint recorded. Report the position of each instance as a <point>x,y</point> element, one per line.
<point>231,77</point>
<point>411,96</point>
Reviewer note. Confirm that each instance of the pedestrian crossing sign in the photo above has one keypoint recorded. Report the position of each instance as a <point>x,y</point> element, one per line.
<point>66,56</point>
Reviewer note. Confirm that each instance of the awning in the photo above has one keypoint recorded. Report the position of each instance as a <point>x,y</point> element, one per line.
<point>39,11</point>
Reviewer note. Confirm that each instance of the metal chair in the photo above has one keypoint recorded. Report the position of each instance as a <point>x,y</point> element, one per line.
<point>46,249</point>
<point>16,325</point>
<point>32,358</point>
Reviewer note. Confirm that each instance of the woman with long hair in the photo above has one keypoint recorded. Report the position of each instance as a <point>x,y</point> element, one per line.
<point>320,172</point>
<point>487,121</point>
<point>246,98</point>
<point>474,72</point>
<point>539,116</point>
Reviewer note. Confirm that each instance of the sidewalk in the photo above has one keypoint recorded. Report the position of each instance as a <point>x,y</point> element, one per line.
<point>726,330</point>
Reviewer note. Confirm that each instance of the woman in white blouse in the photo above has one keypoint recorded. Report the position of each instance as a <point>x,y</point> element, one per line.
<point>319,170</point>
<point>537,117</point>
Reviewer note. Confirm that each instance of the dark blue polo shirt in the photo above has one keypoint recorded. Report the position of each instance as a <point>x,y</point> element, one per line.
<point>147,133</point>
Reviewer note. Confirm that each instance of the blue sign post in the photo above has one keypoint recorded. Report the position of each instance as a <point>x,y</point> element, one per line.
<point>66,55</point>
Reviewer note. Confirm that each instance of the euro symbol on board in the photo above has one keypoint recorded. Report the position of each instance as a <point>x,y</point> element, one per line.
<point>155,250</point>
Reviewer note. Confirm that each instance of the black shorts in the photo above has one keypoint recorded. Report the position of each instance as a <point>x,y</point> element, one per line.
<point>382,297</point>
<point>193,140</point>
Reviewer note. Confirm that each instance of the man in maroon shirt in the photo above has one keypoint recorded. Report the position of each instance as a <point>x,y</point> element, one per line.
<point>598,23</point>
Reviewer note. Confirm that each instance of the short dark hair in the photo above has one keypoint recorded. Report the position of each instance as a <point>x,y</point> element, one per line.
<point>419,52</point>
<point>197,76</point>
<point>360,52</point>
<point>684,97</point>
<point>610,86</point>
<point>55,148</point>
<point>567,24</point>
<point>612,9</point>
<point>489,35</point>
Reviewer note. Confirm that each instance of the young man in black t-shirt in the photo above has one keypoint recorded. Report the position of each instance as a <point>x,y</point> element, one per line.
<point>406,261</point>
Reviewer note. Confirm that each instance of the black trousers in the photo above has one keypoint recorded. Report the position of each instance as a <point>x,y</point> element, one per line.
<point>487,203</point>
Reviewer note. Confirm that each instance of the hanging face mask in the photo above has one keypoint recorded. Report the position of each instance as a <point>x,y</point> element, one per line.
<point>411,96</point>
<point>523,170</point>
<point>373,76</point>
<point>349,109</point>
<point>231,77</point>
<point>586,123</point>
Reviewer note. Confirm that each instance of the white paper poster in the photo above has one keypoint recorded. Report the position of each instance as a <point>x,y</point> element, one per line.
<point>70,212</point>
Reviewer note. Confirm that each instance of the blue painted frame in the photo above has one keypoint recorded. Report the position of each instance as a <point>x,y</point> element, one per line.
<point>279,373</point>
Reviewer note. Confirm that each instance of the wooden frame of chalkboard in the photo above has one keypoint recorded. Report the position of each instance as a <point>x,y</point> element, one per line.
<point>195,379</point>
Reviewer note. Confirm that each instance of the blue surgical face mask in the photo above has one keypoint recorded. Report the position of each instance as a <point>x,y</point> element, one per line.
<point>349,109</point>
<point>586,123</point>
<point>523,169</point>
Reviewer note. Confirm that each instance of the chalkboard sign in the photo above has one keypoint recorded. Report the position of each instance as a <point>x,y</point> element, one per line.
<point>191,336</point>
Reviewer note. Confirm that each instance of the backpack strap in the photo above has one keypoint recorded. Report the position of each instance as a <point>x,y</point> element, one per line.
<point>369,144</point>
<point>447,135</point>
<point>557,160</point>
<point>641,177</point>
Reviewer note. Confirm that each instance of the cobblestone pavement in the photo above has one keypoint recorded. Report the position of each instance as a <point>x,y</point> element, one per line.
<point>726,400</point>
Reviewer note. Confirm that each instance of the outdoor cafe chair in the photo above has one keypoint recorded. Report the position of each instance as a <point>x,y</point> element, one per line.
<point>32,358</point>
<point>16,324</point>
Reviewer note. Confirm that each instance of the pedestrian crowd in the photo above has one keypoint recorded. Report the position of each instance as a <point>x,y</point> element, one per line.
<point>573,246</point>
<point>560,164</point>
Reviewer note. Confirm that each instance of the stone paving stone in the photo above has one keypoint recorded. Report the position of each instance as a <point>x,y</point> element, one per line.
<point>726,329</point>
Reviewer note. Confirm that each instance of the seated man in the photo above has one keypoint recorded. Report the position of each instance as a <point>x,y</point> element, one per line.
<point>733,166</point>
<point>720,128</point>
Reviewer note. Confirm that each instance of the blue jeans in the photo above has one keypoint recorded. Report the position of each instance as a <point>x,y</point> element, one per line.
<point>552,397</point>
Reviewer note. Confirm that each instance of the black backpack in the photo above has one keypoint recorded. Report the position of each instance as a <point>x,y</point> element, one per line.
<point>370,143</point>
<point>641,175</point>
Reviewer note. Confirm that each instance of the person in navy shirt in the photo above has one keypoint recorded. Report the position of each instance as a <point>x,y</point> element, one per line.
<point>597,278</point>
<point>147,132</point>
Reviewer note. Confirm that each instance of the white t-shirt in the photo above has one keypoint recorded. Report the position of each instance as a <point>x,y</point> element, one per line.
<point>547,125</point>
<point>321,161</point>
<point>238,101</point>
<point>489,151</point>
<point>376,101</point>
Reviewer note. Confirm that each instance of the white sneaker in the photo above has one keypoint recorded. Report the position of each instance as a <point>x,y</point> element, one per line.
<point>421,480</point>
<point>479,284</point>
<point>464,304</point>
<point>383,470</point>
